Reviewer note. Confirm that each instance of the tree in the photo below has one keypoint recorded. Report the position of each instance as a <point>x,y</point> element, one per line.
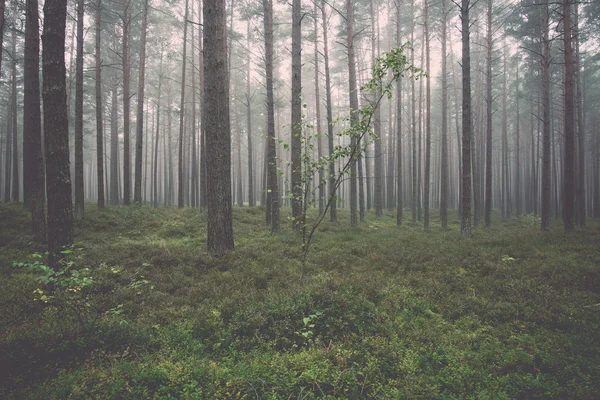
<point>272,183</point>
<point>139,126</point>
<point>126,102</point>
<point>99,114</point>
<point>56,129</point>
<point>399,159</point>
<point>546,200</point>
<point>13,115</point>
<point>427,179</point>
<point>353,110</point>
<point>444,159</point>
<point>33,170</point>
<point>181,110</point>
<point>333,206</point>
<point>218,132</point>
<point>296,114</point>
<point>569,121</point>
<point>465,225</point>
<point>114,149</point>
<point>488,146</point>
<point>79,190</point>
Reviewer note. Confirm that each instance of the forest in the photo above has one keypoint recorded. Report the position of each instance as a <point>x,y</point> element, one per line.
<point>304,199</point>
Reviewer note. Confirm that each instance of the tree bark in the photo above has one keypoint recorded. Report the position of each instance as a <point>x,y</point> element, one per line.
<point>465,226</point>
<point>126,102</point>
<point>297,185</point>
<point>32,123</point>
<point>114,150</point>
<point>353,108</point>
<point>181,110</point>
<point>272,181</point>
<point>427,179</point>
<point>79,186</point>
<point>569,121</point>
<point>218,132</point>
<point>488,146</point>
<point>332,191</point>
<point>99,113</point>
<point>546,195</point>
<point>56,131</point>
<point>139,126</point>
<point>444,161</point>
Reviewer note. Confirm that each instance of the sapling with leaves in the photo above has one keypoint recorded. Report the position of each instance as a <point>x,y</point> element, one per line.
<point>387,69</point>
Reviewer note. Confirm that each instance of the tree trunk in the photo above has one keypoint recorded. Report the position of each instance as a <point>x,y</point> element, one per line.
<point>297,185</point>
<point>569,121</point>
<point>427,179</point>
<point>114,150</point>
<point>32,123</point>
<point>332,192</point>
<point>181,109</point>
<point>353,108</point>
<point>158,96</point>
<point>465,226</point>
<point>546,199</point>
<point>139,126</point>
<point>126,102</point>
<point>272,182</point>
<point>79,188</point>
<point>444,162</point>
<point>378,167</point>
<point>99,114</point>
<point>399,158</point>
<point>218,139</point>
<point>56,131</point>
<point>318,114</point>
<point>251,200</point>
<point>488,146</point>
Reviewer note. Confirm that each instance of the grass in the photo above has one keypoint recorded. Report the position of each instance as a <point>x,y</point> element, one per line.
<point>383,312</point>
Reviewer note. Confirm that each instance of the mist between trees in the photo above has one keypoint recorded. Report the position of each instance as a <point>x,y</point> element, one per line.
<point>224,94</point>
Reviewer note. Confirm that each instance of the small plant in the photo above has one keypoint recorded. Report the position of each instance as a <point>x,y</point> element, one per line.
<point>62,287</point>
<point>307,330</point>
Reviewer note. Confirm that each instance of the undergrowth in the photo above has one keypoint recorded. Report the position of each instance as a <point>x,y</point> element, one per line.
<point>383,312</point>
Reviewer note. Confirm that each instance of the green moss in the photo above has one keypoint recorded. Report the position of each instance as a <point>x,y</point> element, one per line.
<point>392,312</point>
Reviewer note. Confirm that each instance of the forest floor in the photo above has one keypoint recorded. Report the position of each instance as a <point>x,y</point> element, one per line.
<point>383,312</point>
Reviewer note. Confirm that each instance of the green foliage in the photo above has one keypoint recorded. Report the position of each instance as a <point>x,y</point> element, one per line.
<point>382,313</point>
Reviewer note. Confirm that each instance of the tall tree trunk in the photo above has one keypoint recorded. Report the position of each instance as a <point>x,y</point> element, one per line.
<point>427,180</point>
<point>318,113</point>
<point>488,146</point>
<point>13,100</point>
<point>79,188</point>
<point>580,157</point>
<point>272,182</point>
<point>114,149</point>
<point>297,185</point>
<point>546,195</point>
<point>126,102</point>
<point>158,96</point>
<point>517,146</point>
<point>378,167</point>
<point>56,131</point>
<point>353,108</point>
<point>181,109</point>
<point>332,192</point>
<point>7,171</point>
<point>194,172</point>
<point>99,114</point>
<point>444,162</point>
<point>218,132</point>
<point>202,184</point>
<point>399,158</point>
<point>251,200</point>
<point>2,19</point>
<point>465,226</point>
<point>569,121</point>
<point>33,170</point>
<point>139,126</point>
